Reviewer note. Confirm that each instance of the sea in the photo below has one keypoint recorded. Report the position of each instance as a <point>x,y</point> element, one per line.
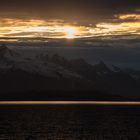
<point>69,122</point>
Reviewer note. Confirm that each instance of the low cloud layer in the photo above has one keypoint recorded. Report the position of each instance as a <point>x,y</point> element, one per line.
<point>90,18</point>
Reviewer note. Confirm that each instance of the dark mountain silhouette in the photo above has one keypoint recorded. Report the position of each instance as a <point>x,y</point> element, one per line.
<point>6,52</point>
<point>110,79</point>
<point>24,79</point>
<point>54,77</point>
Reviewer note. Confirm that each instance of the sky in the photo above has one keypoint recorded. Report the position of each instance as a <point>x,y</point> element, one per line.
<point>69,18</point>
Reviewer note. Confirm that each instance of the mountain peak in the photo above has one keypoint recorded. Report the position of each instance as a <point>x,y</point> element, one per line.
<point>6,52</point>
<point>101,67</point>
<point>102,63</point>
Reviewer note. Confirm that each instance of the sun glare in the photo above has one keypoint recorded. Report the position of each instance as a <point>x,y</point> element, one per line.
<point>18,28</point>
<point>70,32</point>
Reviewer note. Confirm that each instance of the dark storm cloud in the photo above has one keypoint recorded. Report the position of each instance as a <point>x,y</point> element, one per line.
<point>95,10</point>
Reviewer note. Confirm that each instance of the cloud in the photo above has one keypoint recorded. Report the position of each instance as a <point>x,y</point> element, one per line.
<point>80,10</point>
<point>56,28</point>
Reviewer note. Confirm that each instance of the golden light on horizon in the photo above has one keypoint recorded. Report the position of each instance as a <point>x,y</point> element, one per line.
<point>129,16</point>
<point>70,32</point>
<point>19,28</point>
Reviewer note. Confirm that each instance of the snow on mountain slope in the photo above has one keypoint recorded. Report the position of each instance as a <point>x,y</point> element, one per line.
<point>9,59</point>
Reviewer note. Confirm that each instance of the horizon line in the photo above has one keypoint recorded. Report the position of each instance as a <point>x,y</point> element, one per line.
<point>70,102</point>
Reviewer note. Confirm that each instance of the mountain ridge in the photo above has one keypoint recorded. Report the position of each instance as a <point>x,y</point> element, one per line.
<point>44,72</point>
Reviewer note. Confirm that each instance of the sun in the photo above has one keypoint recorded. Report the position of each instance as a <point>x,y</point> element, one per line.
<point>70,32</point>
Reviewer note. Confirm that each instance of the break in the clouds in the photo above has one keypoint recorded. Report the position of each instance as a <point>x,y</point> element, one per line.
<point>60,29</point>
<point>69,19</point>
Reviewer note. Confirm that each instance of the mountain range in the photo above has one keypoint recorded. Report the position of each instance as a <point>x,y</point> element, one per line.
<point>54,77</point>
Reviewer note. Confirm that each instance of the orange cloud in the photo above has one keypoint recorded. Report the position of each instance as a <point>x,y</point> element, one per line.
<point>57,28</point>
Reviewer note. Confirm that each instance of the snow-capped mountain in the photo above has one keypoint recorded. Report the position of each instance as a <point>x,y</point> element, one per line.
<point>43,72</point>
<point>38,73</point>
<point>11,60</point>
<point>6,57</point>
<point>111,79</point>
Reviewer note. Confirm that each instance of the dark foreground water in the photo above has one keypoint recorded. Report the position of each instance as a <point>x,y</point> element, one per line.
<point>69,122</point>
